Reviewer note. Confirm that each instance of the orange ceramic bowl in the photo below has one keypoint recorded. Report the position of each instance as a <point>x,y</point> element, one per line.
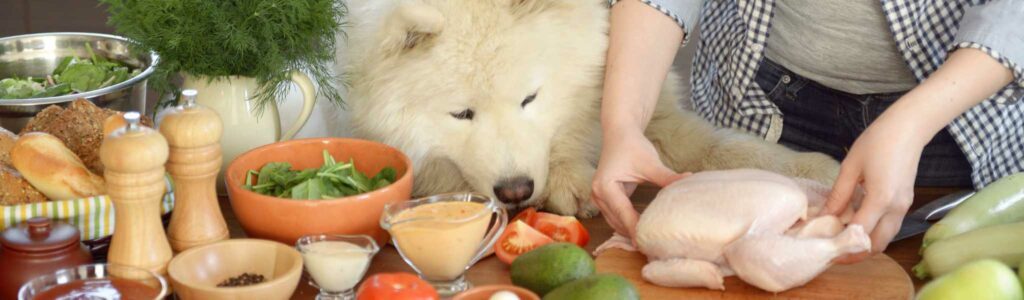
<point>285,220</point>
<point>485,292</point>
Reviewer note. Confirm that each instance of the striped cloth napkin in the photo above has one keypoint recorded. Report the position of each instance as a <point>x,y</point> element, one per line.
<point>94,216</point>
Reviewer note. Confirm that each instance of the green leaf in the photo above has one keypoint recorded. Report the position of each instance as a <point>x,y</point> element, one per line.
<point>315,188</point>
<point>63,64</point>
<point>328,159</point>
<point>331,191</point>
<point>387,173</point>
<point>83,77</point>
<point>359,182</point>
<point>19,88</point>
<point>300,191</point>
<point>120,74</point>
<point>347,191</point>
<point>54,90</point>
<point>92,55</point>
<point>380,184</point>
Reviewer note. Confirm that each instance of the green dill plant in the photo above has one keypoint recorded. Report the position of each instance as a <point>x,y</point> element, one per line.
<point>264,39</point>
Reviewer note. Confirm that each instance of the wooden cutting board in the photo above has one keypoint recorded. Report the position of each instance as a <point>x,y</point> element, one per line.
<point>879,277</point>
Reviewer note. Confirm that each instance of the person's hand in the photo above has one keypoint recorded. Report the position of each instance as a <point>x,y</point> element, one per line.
<point>627,159</point>
<point>883,160</point>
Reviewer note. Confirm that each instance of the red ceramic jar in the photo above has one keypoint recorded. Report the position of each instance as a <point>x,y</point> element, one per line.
<point>37,247</point>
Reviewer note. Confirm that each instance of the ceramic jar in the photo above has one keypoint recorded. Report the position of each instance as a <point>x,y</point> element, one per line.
<point>37,247</point>
<point>245,128</point>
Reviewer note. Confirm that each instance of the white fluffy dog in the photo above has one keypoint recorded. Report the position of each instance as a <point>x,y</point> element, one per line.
<point>502,97</point>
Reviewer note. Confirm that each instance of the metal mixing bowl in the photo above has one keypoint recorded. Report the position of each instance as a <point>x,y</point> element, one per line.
<point>37,55</point>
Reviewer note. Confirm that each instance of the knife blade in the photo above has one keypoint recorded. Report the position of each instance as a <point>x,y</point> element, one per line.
<point>918,221</point>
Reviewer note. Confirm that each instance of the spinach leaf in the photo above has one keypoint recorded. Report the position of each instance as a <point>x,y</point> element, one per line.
<point>83,77</point>
<point>64,63</point>
<point>387,173</point>
<point>54,90</point>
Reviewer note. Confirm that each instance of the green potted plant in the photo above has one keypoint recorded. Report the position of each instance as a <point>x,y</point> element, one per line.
<point>241,55</point>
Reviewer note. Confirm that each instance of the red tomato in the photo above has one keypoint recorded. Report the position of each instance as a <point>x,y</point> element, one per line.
<point>396,286</point>
<point>528,215</point>
<point>517,239</point>
<point>562,228</point>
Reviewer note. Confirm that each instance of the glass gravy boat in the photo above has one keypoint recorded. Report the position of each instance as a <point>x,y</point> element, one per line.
<point>442,236</point>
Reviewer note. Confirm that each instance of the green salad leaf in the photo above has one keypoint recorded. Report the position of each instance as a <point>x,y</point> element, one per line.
<point>330,180</point>
<point>14,88</point>
<point>83,76</point>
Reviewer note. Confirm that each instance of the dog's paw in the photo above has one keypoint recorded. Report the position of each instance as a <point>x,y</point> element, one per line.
<point>562,201</point>
<point>569,194</point>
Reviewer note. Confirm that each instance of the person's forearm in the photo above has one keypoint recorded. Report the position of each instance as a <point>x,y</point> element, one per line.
<point>968,77</point>
<point>642,45</point>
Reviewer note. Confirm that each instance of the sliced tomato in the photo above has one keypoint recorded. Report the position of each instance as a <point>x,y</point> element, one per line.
<point>517,239</point>
<point>528,215</point>
<point>396,286</point>
<point>562,228</point>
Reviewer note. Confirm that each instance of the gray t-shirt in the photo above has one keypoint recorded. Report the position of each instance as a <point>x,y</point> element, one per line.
<point>843,44</point>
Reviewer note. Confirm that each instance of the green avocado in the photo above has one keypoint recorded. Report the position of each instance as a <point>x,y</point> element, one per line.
<point>596,287</point>
<point>550,266</point>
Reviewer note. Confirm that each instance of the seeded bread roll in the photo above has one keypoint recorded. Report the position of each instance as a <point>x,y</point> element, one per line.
<point>7,140</point>
<point>53,169</point>
<point>16,190</point>
<point>80,126</point>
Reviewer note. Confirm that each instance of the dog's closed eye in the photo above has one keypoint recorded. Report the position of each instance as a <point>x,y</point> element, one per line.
<point>466,114</point>
<point>529,99</point>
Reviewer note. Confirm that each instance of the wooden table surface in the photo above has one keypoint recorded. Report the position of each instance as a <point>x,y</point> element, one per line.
<point>492,271</point>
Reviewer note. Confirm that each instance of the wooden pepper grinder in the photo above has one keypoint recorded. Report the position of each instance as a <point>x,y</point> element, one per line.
<point>193,133</point>
<point>134,157</point>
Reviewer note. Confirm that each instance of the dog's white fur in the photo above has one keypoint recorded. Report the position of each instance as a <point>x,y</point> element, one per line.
<point>414,63</point>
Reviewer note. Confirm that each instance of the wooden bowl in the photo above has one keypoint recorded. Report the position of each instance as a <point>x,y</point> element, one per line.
<point>286,220</point>
<point>484,292</point>
<point>196,272</point>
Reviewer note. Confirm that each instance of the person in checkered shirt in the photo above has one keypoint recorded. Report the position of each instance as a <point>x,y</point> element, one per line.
<point>903,92</point>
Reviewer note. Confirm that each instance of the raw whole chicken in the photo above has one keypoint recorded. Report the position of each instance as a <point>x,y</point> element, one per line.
<point>748,223</point>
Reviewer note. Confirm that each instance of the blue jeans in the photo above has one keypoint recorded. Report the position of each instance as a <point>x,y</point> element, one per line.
<point>822,119</point>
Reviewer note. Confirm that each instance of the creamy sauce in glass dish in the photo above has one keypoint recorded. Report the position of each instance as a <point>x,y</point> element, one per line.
<point>445,239</point>
<point>336,265</point>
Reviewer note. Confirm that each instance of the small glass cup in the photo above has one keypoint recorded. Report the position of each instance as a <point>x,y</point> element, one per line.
<point>336,262</point>
<point>442,236</point>
<point>130,282</point>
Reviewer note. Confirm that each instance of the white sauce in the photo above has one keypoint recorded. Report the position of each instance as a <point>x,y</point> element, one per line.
<point>336,266</point>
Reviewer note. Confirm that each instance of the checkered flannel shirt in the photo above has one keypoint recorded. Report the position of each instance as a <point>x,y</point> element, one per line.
<point>731,46</point>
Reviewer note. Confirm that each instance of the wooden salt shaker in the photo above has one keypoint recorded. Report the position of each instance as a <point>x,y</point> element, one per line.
<point>134,157</point>
<point>193,133</point>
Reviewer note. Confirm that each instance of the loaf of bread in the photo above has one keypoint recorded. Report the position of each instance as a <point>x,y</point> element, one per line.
<point>15,190</point>
<point>7,140</point>
<point>80,126</point>
<point>53,169</point>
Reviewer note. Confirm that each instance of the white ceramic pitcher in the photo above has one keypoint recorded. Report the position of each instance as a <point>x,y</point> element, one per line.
<point>244,127</point>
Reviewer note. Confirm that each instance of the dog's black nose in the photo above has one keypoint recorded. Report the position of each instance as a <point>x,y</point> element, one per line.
<point>514,190</point>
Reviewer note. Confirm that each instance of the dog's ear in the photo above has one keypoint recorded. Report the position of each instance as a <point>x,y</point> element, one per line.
<point>411,25</point>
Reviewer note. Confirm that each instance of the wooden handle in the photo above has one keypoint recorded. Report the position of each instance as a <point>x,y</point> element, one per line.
<point>134,158</point>
<point>193,133</point>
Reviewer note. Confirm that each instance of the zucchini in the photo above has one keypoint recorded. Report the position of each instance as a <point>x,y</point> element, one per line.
<point>998,203</point>
<point>1000,242</point>
<point>980,280</point>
